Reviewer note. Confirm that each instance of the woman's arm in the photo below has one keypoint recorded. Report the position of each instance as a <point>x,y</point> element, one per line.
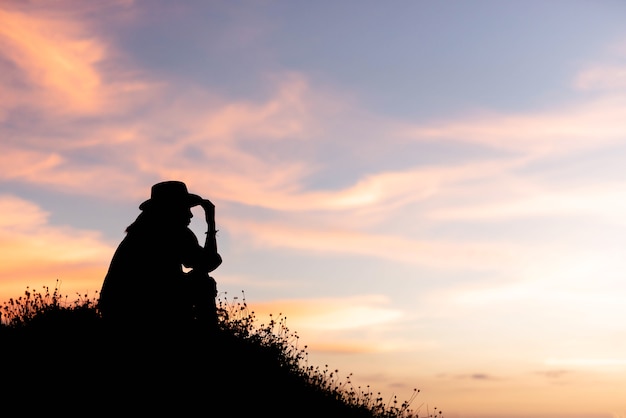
<point>210,243</point>
<point>201,259</point>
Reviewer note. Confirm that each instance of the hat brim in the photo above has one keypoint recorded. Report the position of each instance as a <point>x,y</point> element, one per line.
<point>189,201</point>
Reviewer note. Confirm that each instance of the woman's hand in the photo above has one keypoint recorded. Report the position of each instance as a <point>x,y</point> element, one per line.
<point>209,210</point>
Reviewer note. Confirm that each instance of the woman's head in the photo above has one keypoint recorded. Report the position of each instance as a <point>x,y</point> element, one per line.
<point>169,206</point>
<point>170,195</point>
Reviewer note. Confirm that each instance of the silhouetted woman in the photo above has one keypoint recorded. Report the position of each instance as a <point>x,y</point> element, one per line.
<point>145,283</point>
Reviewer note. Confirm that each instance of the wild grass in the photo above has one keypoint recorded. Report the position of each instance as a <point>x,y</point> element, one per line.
<point>35,307</point>
<point>246,366</point>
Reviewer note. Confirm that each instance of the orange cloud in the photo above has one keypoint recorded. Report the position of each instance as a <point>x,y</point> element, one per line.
<point>325,324</point>
<point>55,171</point>
<point>54,58</point>
<point>33,253</point>
<point>24,164</point>
<point>334,313</point>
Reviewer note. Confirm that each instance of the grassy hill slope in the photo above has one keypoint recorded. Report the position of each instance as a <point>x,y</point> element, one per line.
<point>63,358</point>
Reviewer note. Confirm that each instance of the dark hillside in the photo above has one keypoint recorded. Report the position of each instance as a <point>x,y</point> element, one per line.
<point>64,359</point>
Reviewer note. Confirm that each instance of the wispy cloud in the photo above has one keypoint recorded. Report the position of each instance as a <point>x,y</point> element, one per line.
<point>479,377</point>
<point>556,374</point>
<point>573,128</point>
<point>353,324</point>
<point>605,200</point>
<point>593,363</point>
<point>334,314</point>
<point>609,78</point>
<point>440,253</point>
<point>53,63</point>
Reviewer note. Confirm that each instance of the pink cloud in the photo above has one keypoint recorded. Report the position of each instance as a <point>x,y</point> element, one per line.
<point>55,56</point>
<point>327,239</point>
<point>132,154</point>
<point>52,63</point>
<point>285,115</point>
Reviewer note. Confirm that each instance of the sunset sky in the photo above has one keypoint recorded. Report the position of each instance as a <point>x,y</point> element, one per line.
<point>432,192</point>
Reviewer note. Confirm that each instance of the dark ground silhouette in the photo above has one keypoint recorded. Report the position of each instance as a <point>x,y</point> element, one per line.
<point>70,361</point>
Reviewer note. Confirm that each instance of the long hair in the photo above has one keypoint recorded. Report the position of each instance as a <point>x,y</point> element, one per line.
<point>148,220</point>
<point>153,219</point>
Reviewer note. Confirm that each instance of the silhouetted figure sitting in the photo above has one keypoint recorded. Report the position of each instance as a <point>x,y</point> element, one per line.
<point>145,284</point>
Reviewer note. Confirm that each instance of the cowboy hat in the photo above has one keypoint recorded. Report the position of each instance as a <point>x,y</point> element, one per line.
<point>170,194</point>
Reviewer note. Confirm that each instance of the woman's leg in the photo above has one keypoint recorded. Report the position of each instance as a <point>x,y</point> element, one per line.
<point>203,291</point>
